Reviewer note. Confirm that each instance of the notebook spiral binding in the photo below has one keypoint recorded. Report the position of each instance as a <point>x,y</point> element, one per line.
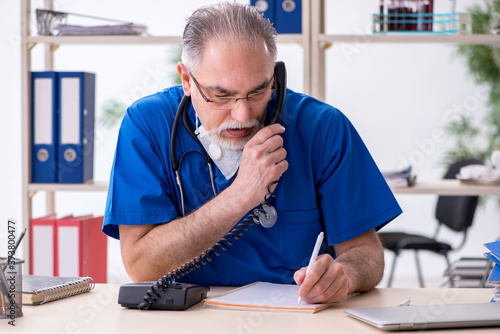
<point>151,296</point>
<point>67,289</point>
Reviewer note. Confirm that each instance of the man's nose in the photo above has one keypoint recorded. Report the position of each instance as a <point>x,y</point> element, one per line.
<point>241,111</point>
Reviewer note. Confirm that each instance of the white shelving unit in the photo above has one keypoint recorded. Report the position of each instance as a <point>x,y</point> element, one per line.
<point>30,40</point>
<point>412,39</point>
<point>314,43</point>
<point>146,40</point>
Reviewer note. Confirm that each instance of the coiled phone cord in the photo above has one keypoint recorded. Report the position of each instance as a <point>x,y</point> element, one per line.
<point>259,215</point>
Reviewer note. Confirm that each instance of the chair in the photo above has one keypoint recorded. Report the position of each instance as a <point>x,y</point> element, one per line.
<point>454,212</point>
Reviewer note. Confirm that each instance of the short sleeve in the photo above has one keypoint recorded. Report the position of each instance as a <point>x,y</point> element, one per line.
<point>139,191</point>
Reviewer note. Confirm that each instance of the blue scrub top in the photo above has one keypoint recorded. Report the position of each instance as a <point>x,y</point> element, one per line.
<point>332,184</point>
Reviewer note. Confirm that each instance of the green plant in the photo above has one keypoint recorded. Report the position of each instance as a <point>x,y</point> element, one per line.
<point>483,62</point>
<point>114,110</point>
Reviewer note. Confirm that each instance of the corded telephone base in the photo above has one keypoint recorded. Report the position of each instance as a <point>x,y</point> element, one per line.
<point>177,296</point>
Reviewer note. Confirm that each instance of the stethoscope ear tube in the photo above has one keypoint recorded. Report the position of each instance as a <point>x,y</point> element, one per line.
<point>182,106</point>
<point>179,184</point>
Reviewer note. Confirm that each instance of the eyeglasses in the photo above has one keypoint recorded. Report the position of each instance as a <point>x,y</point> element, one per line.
<point>256,98</point>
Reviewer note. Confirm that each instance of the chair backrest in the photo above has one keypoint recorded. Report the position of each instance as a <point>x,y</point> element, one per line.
<point>457,212</point>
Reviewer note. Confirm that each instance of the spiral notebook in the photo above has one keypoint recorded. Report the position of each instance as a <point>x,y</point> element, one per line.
<point>43,289</point>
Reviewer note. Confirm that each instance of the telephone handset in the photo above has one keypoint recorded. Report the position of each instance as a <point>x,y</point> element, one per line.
<point>267,214</point>
<point>280,88</point>
<point>166,294</point>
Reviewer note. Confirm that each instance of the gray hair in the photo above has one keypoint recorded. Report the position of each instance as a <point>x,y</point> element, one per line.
<point>233,24</point>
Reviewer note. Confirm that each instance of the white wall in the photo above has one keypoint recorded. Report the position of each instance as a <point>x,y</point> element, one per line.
<point>398,96</point>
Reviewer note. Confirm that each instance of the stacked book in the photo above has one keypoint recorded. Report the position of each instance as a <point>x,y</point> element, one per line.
<point>494,255</point>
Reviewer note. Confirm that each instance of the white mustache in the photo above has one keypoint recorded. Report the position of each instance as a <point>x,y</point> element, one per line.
<point>216,138</point>
<point>235,125</point>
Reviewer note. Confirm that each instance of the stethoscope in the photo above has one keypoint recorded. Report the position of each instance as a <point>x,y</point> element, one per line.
<point>266,215</point>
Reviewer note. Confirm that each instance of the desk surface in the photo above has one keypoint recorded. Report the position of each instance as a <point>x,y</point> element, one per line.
<point>98,312</point>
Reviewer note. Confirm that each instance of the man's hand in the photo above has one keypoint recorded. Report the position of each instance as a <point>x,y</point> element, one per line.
<point>263,162</point>
<point>358,267</point>
<point>326,281</point>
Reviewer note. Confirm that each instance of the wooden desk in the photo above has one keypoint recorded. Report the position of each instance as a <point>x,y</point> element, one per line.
<point>98,312</point>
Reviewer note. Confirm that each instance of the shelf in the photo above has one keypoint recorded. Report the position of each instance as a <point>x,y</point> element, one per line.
<point>282,38</point>
<point>290,38</point>
<point>89,186</point>
<point>105,39</point>
<point>410,38</point>
<point>447,187</point>
<point>132,39</point>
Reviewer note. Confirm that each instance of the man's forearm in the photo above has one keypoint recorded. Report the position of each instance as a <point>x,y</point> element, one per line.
<point>166,247</point>
<point>363,265</point>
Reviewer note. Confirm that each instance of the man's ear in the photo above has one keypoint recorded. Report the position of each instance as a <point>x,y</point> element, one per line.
<point>185,78</point>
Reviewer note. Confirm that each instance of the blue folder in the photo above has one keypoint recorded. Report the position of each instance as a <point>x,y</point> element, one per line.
<point>75,157</point>
<point>495,275</point>
<point>43,127</point>
<point>289,16</point>
<point>494,247</point>
<point>493,257</point>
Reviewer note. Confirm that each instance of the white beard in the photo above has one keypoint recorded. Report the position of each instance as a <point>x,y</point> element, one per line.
<point>234,143</point>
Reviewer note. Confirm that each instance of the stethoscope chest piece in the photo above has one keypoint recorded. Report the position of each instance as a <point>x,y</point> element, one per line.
<point>267,218</point>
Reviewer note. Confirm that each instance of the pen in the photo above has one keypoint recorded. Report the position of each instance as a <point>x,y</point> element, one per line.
<point>21,236</point>
<point>314,255</point>
<point>405,302</point>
